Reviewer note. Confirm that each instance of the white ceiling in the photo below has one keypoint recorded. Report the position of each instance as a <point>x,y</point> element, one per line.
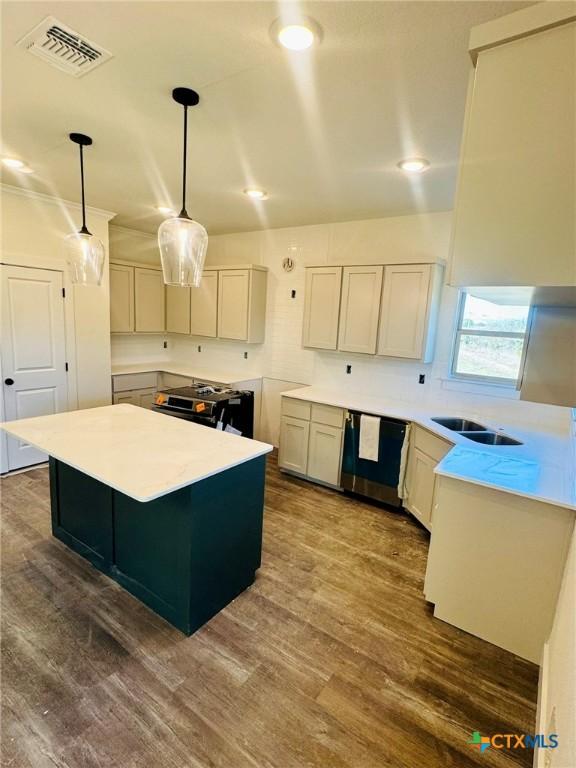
<point>322,132</point>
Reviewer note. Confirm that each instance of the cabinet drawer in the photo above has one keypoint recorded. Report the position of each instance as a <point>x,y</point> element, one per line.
<point>328,414</point>
<point>169,380</point>
<point>298,409</point>
<point>127,381</point>
<point>432,446</point>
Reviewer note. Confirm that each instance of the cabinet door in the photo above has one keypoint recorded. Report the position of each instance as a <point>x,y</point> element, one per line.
<point>322,307</point>
<point>233,299</point>
<point>293,448</point>
<point>359,309</point>
<point>177,309</point>
<point>325,453</point>
<point>149,292</point>
<point>121,299</point>
<point>404,310</point>
<point>146,399</point>
<point>420,485</point>
<point>514,214</point>
<point>126,397</point>
<point>204,306</point>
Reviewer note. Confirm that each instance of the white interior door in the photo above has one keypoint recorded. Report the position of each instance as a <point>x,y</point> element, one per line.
<point>33,352</point>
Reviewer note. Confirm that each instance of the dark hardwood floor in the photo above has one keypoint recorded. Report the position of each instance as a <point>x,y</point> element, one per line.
<point>331,659</point>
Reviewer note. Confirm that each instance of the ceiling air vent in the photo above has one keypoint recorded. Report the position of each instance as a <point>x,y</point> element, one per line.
<point>63,48</point>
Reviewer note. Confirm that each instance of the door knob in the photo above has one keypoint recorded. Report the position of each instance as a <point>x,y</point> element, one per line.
<point>8,382</point>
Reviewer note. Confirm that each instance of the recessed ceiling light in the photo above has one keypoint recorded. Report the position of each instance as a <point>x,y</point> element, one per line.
<point>165,210</point>
<point>296,37</point>
<point>25,169</point>
<point>12,162</point>
<point>414,165</point>
<point>256,194</point>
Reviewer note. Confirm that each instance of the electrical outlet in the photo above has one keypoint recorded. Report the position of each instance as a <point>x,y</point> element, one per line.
<point>199,348</point>
<point>245,355</point>
<point>348,369</point>
<point>293,294</point>
<point>421,378</point>
<point>165,345</point>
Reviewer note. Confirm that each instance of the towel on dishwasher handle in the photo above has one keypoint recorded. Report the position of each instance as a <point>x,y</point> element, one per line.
<point>369,437</point>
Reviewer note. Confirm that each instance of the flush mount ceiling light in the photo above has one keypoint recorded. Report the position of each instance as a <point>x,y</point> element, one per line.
<point>414,165</point>
<point>296,34</point>
<point>182,241</point>
<point>85,251</point>
<point>256,194</point>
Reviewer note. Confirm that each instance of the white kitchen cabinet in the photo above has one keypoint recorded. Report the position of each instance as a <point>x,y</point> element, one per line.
<point>408,315</point>
<point>324,453</point>
<point>322,307</point>
<point>204,306</point>
<point>121,298</point>
<point>515,203</point>
<point>144,398</point>
<point>293,449</point>
<point>359,309</point>
<point>149,301</point>
<point>242,304</point>
<point>424,453</point>
<point>177,309</point>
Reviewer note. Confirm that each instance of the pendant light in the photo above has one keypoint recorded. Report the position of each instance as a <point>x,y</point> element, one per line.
<point>182,241</point>
<point>85,251</point>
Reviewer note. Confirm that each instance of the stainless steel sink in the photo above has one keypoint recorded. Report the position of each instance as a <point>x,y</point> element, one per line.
<point>490,438</point>
<point>459,425</point>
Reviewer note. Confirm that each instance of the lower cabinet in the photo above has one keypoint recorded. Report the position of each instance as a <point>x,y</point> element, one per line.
<point>324,453</point>
<point>141,397</point>
<point>294,437</point>
<point>311,440</point>
<point>425,451</point>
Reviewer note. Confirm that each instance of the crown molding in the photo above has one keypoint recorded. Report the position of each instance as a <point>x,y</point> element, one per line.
<point>52,200</point>
<point>130,231</point>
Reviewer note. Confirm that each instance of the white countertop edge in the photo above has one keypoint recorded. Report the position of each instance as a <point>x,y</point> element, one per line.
<point>125,369</point>
<point>261,452</point>
<point>493,486</point>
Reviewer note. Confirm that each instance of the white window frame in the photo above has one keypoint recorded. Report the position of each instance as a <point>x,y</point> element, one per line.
<point>479,378</point>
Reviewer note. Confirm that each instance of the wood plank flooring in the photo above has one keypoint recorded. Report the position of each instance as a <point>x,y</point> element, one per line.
<point>331,659</point>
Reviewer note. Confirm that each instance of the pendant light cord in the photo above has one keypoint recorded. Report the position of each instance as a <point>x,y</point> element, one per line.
<point>183,212</point>
<point>84,229</point>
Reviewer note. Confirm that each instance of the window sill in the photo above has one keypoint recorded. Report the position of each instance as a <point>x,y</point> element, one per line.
<point>487,389</point>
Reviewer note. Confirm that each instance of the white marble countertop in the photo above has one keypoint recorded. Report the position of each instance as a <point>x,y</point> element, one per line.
<point>138,452</point>
<point>181,369</point>
<point>542,468</point>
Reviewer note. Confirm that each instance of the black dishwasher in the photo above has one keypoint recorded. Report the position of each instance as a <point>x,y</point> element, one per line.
<point>375,479</point>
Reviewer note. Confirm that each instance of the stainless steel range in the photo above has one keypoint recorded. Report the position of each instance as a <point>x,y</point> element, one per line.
<point>226,409</point>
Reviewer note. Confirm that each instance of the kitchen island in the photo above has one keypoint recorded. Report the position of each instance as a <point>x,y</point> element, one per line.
<point>169,509</point>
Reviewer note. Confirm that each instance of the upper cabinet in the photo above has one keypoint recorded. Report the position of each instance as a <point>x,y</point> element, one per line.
<point>204,306</point>
<point>410,301</point>
<point>121,298</point>
<point>136,299</point>
<point>359,309</point>
<point>242,304</point>
<point>322,307</point>
<point>177,309</point>
<point>149,301</point>
<point>514,216</point>
<point>386,310</point>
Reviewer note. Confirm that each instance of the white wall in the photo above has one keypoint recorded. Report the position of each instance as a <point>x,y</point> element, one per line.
<point>33,230</point>
<point>283,362</point>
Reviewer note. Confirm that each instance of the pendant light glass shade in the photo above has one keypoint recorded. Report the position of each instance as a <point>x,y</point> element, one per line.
<point>183,244</point>
<point>182,241</point>
<point>85,254</point>
<point>85,258</point>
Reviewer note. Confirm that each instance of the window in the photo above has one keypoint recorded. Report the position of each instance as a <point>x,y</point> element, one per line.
<point>489,339</point>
